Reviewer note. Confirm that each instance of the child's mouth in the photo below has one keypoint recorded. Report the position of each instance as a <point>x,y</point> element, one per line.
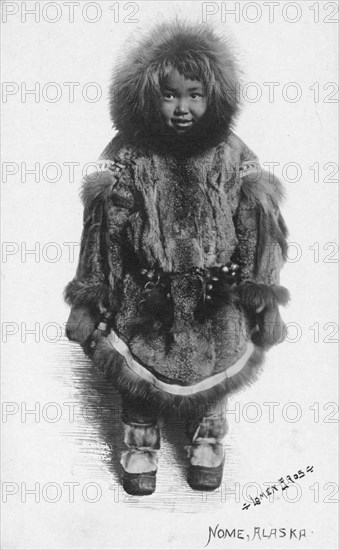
<point>181,123</point>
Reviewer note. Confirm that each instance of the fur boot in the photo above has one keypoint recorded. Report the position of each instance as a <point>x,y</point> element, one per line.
<point>140,461</point>
<point>206,454</point>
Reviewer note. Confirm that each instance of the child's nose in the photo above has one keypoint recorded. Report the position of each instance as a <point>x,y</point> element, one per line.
<point>182,106</point>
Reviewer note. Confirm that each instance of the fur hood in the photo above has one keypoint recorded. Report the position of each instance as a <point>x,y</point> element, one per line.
<point>197,52</point>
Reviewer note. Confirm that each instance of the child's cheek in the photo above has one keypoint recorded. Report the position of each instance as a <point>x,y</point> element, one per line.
<point>201,108</point>
<point>166,110</point>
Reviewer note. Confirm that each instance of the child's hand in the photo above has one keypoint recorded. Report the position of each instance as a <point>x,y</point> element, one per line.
<point>270,327</point>
<point>80,324</point>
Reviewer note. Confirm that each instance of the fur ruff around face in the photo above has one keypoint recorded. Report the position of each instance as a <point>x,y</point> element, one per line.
<point>197,53</point>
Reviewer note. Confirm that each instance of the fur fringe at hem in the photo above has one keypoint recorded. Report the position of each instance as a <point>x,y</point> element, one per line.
<point>113,366</point>
<point>78,293</point>
<point>257,295</point>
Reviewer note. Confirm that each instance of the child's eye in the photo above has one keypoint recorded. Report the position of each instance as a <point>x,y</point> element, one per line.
<point>196,95</point>
<point>168,95</point>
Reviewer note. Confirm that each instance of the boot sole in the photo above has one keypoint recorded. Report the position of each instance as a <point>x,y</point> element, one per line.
<point>201,478</point>
<point>139,484</point>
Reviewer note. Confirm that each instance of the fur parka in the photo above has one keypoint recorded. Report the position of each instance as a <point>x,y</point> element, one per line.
<point>152,208</point>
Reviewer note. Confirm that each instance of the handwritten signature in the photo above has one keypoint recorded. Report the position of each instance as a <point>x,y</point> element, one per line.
<point>281,484</point>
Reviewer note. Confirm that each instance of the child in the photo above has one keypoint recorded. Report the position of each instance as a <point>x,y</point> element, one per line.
<point>176,295</point>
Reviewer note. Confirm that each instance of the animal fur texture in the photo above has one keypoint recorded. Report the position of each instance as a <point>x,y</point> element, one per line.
<point>175,209</point>
<point>195,51</point>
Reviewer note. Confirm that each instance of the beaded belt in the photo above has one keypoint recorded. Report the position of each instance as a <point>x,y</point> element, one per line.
<point>217,284</point>
<point>227,274</point>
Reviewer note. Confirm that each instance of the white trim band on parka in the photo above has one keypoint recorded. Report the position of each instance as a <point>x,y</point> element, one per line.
<point>176,389</point>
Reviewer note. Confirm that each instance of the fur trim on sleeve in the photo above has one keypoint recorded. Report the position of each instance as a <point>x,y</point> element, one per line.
<point>107,190</point>
<point>78,293</point>
<point>112,182</point>
<point>98,185</point>
<point>265,192</point>
<point>256,295</point>
<point>260,187</point>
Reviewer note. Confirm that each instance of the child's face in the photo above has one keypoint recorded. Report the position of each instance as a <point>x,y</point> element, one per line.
<point>183,103</point>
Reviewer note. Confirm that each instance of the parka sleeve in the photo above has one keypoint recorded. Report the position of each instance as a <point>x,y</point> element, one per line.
<point>262,238</point>
<point>108,201</point>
